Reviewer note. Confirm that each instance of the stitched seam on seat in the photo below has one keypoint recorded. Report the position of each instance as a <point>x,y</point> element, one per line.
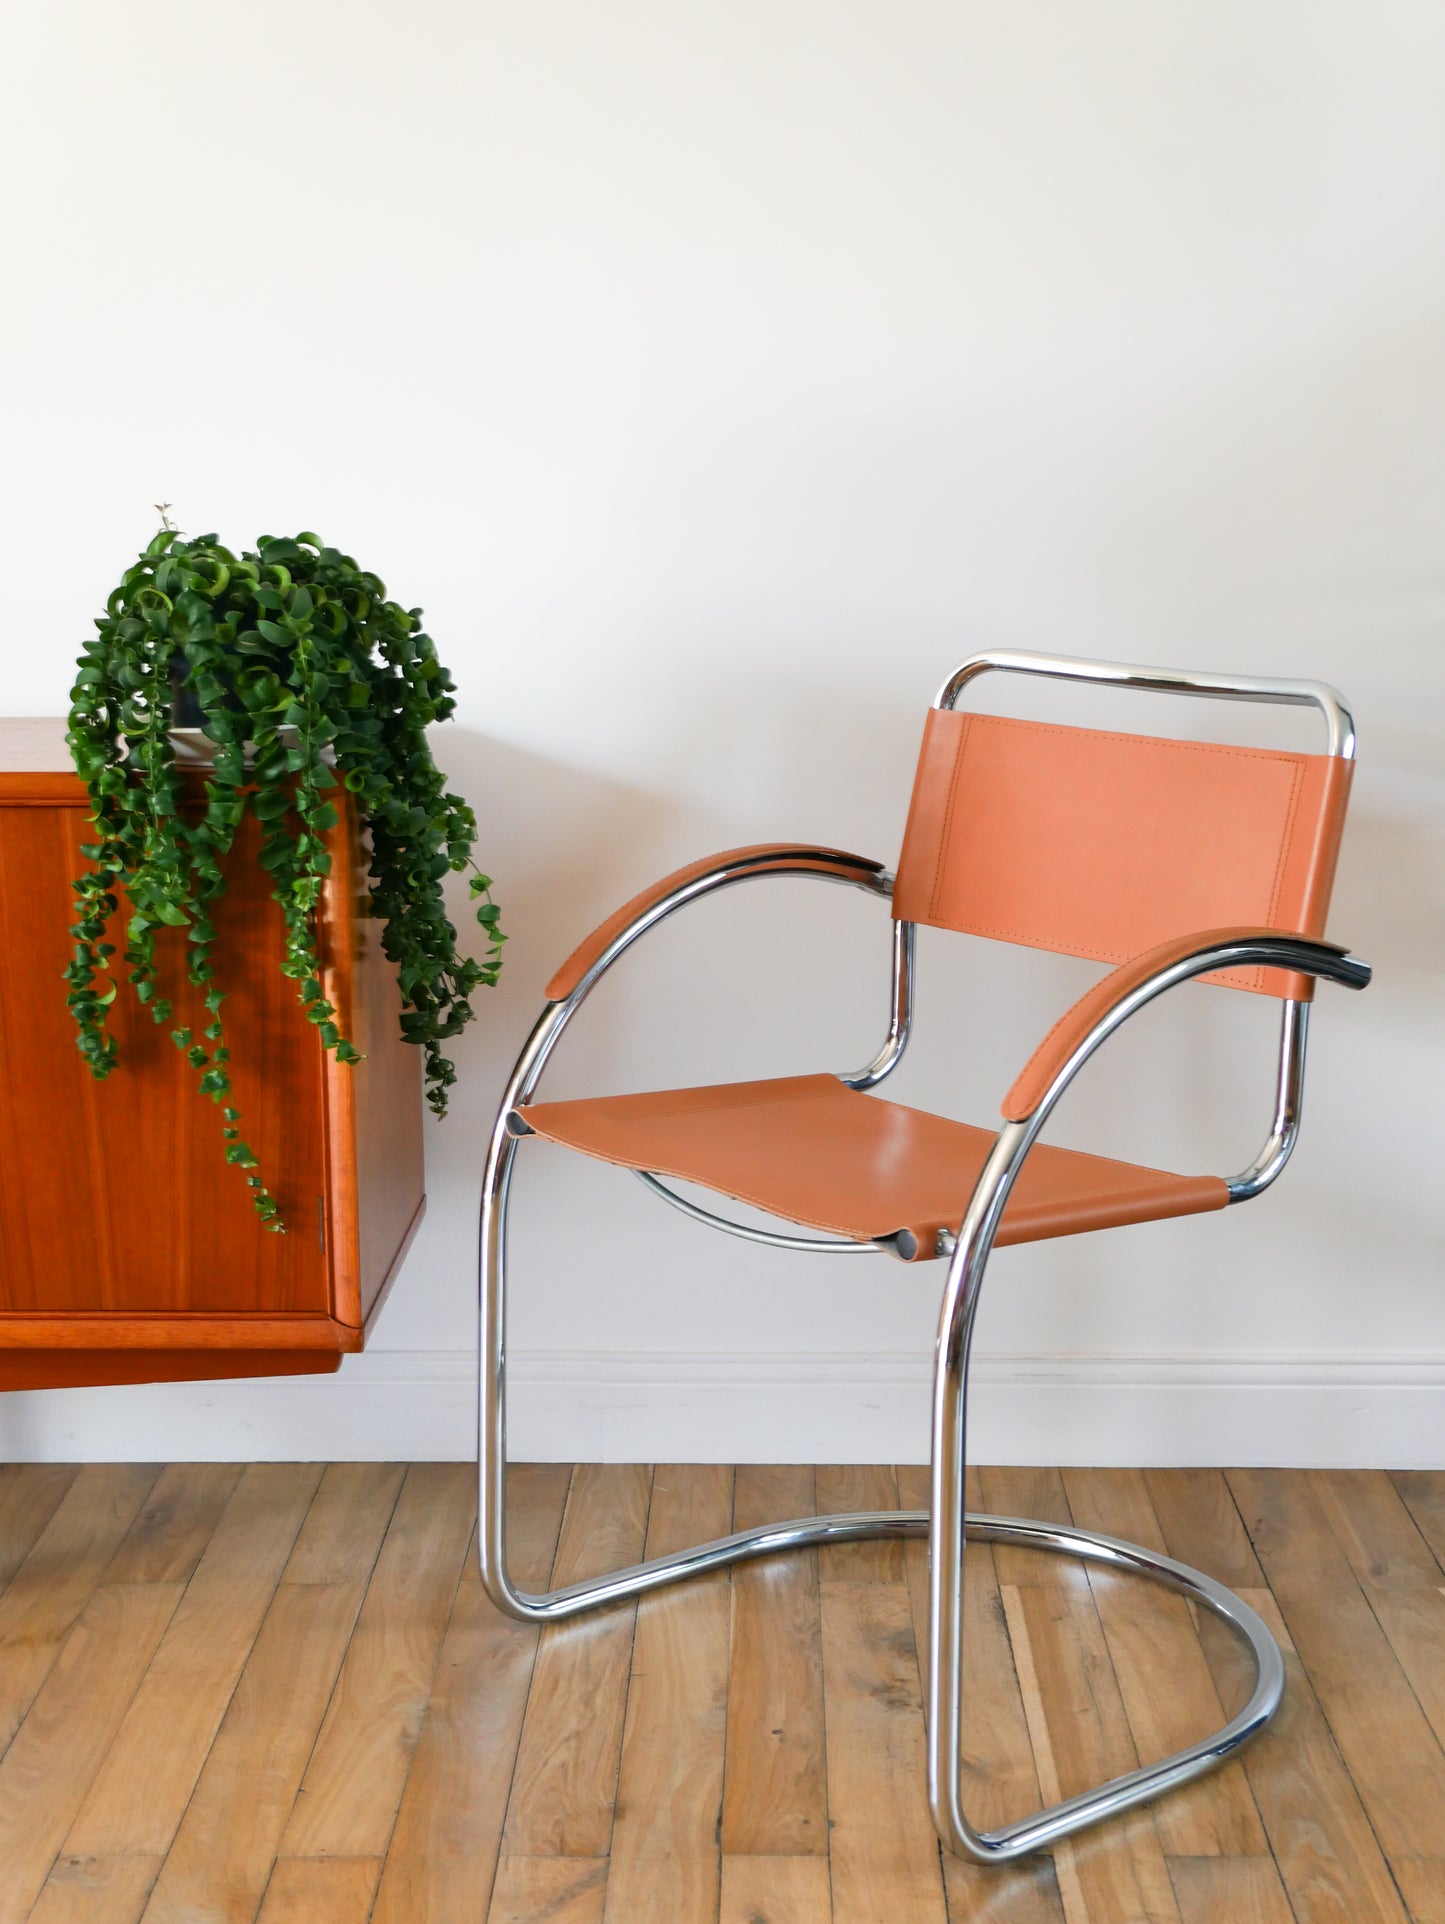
<point>765,1094</point>
<point>737,1195</point>
<point>1045,1149</point>
<point>834,1228</point>
<point>1130,1169</point>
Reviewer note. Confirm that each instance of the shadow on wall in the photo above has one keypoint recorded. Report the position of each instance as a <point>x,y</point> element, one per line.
<point>565,845</point>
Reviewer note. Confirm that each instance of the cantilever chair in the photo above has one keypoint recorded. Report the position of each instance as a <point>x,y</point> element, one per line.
<point>1169,859</point>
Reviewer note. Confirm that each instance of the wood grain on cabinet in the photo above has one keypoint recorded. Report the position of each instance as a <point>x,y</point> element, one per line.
<point>130,1251</point>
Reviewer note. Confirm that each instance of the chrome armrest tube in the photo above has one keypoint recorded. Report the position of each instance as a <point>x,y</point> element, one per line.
<point>547,1033</point>
<point>801,862</point>
<point>1293,952</point>
<point>557,1015</point>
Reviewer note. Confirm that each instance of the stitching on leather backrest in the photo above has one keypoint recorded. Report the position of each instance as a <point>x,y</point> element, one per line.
<point>1286,842</point>
<point>1295,763</point>
<point>945,833</point>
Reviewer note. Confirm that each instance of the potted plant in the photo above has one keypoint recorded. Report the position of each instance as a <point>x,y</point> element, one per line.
<point>301,675</point>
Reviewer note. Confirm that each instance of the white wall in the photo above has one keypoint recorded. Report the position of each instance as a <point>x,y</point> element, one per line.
<point>716,376</point>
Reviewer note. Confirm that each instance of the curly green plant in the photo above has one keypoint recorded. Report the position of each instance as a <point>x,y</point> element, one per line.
<point>304,675</point>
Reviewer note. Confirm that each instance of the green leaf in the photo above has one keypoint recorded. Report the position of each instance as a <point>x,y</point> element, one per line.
<point>293,634</point>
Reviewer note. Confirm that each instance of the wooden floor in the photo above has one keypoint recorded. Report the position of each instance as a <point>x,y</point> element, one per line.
<point>277,1692</point>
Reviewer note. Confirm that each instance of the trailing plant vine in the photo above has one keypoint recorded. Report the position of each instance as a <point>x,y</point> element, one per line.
<point>303,675</point>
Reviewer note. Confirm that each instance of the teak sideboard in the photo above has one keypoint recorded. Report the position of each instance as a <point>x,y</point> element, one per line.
<point>129,1251</point>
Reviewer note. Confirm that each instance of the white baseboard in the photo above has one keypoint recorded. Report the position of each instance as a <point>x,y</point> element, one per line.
<point>652,1406</point>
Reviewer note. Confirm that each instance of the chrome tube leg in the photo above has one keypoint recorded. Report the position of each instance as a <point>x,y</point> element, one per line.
<point>949,1529</point>
<point>492,1381</point>
<point>554,1606</point>
<point>492,1320</point>
<point>948,1524</point>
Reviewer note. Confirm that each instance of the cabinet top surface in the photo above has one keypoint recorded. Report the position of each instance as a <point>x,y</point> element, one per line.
<point>34,746</point>
<point>35,764</point>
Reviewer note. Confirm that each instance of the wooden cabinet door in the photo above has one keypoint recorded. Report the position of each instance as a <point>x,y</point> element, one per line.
<point>115,1196</point>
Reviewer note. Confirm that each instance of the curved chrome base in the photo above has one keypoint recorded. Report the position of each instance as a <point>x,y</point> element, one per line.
<point>945,1523</point>
<point>1046,1826</point>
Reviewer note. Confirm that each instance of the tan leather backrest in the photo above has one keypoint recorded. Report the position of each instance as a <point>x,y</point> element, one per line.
<point>1100,844</point>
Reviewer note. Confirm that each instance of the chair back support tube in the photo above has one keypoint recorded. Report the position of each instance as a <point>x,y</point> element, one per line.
<point>1339,722</point>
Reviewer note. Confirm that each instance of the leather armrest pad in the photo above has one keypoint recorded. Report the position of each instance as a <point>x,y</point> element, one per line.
<point>762,856</point>
<point>1071,1028</point>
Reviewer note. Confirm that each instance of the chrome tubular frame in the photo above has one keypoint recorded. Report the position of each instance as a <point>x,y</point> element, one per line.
<point>900,1018</point>
<point>945,1524</point>
<point>1340,740</point>
<point>1294,1029</point>
<point>1163,681</point>
<point>900,1027</point>
<point>507,1132</point>
<point>825,1245</point>
<point>950,1527</point>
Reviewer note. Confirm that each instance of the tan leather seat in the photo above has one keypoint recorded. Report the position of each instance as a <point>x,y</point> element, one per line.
<point>823,1155</point>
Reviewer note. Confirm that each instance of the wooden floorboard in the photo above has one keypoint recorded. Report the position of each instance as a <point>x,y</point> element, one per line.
<point>30,1494</point>
<point>64,1564</point>
<point>663,1864</point>
<point>565,1783</point>
<point>308,1890</point>
<point>1393,1756</point>
<point>443,1852</point>
<point>775,1789</point>
<point>96,1890</point>
<point>278,1693</point>
<point>356,1775</point>
<point>141,1790</point>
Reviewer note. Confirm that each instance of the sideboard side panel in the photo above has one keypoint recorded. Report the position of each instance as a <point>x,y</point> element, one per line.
<point>374,1110</point>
